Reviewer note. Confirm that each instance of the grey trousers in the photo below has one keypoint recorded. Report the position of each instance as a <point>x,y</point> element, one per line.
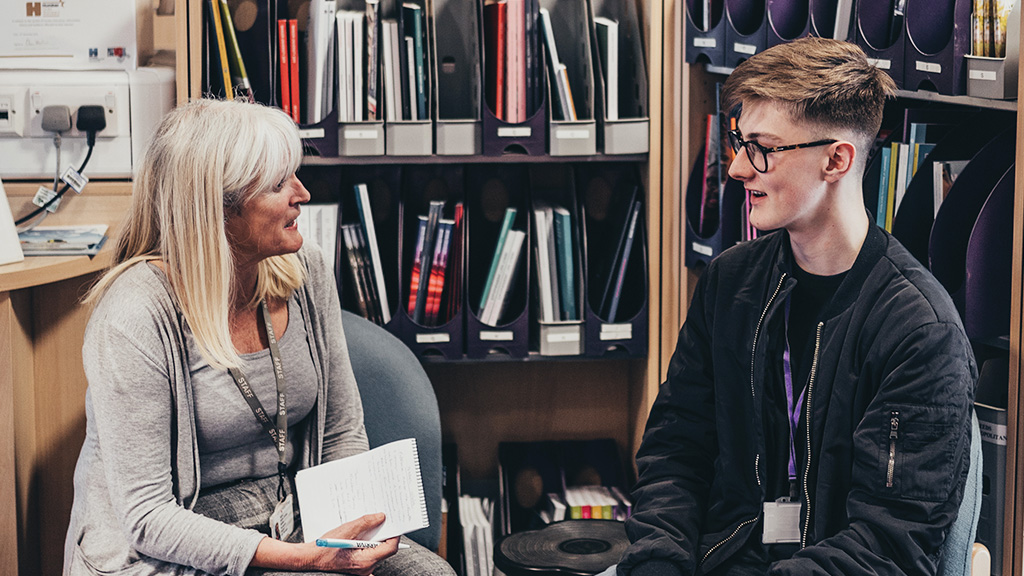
<point>248,504</point>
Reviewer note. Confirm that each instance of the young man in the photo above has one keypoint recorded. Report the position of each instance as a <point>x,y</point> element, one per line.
<point>816,414</point>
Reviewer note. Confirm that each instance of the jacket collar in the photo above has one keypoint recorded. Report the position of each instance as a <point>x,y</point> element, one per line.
<point>871,252</point>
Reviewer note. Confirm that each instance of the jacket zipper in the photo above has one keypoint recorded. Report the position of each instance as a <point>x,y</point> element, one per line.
<point>753,356</point>
<point>730,537</point>
<point>894,426</point>
<point>807,413</point>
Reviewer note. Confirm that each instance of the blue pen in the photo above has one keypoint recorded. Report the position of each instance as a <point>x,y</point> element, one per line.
<point>351,544</point>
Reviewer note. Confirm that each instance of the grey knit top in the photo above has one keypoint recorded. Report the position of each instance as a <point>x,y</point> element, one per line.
<point>139,473</point>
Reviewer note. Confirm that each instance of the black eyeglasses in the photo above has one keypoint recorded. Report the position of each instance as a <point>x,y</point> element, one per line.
<point>758,154</point>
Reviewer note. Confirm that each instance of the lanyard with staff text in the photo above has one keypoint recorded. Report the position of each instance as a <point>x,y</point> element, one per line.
<point>792,409</point>
<point>280,433</point>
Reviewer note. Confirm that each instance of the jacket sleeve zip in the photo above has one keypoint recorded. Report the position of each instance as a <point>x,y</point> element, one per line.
<point>807,423</point>
<point>894,426</point>
<point>730,537</point>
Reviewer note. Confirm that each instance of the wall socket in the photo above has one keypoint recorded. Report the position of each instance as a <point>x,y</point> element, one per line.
<point>12,116</point>
<point>114,101</point>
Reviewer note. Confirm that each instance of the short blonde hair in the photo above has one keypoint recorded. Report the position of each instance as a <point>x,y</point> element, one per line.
<point>206,158</point>
<point>822,81</point>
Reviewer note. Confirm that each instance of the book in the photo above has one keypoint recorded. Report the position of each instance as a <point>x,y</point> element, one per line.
<point>284,67</point>
<point>414,274</point>
<point>944,173</point>
<point>10,248</point>
<point>566,262</point>
<point>415,28</point>
<point>387,70</point>
<point>506,225</point>
<point>566,92</point>
<point>453,295</point>
<point>883,187</point>
<point>236,64</point>
<point>385,479</point>
<point>372,58</point>
<point>354,273</point>
<point>319,51</point>
<point>617,280</point>
<point>362,193</point>
<point>426,259</point>
<point>495,24</point>
<point>894,160</point>
<point>608,48</point>
<point>293,67</point>
<point>438,268</point>
<point>402,68</point>
<point>542,233</point>
<point>410,69</point>
<point>84,240</point>
<point>844,14</point>
<point>221,48</point>
<point>504,278</point>
<point>373,303</point>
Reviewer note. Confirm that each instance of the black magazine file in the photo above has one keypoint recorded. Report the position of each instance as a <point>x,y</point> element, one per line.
<point>490,189</point>
<point>704,243</point>
<point>912,223</point>
<point>555,185</point>
<point>363,137</point>
<point>422,184</point>
<point>256,29</point>
<point>744,31</point>
<point>989,263</point>
<point>318,138</point>
<point>605,193</point>
<point>571,27</point>
<point>528,137</point>
<point>822,19</point>
<point>705,45</point>
<point>938,37</point>
<point>787,20</point>
<point>455,58</point>
<point>881,35</point>
<point>329,184</point>
<point>950,236</point>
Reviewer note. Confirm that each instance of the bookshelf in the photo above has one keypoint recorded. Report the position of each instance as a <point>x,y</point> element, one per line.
<point>484,402</point>
<point>687,101</point>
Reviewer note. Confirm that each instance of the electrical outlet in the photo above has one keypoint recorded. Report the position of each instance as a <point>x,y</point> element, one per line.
<point>12,113</point>
<point>74,96</point>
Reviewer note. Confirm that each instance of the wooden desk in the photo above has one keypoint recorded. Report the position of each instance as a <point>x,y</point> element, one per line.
<point>42,384</point>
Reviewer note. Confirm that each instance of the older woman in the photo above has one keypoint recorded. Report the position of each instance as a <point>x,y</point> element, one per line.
<point>183,470</point>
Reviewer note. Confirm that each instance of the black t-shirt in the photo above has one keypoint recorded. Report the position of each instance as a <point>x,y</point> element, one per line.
<point>807,301</point>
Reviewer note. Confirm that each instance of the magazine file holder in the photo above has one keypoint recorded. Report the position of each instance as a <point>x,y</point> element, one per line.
<point>570,22</point>
<point>630,133</point>
<point>881,36</point>
<point>455,60</point>
<point>705,45</point>
<point>997,77</point>
<point>787,20</point>
<point>744,31</point>
<point>938,34</point>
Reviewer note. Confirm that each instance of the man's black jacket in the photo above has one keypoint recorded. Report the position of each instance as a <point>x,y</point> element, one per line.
<point>888,406</point>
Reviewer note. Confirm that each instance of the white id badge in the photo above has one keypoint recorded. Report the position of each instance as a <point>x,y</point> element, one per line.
<point>282,521</point>
<point>781,522</point>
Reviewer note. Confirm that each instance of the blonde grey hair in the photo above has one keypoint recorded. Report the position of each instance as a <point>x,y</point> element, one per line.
<point>207,158</point>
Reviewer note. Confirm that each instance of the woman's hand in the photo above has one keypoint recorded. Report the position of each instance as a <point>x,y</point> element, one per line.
<point>279,555</point>
<point>358,561</point>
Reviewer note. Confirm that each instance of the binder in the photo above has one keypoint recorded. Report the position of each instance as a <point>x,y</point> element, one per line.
<point>630,132</point>
<point>490,190</point>
<point>455,64</point>
<point>938,35</point>
<point>571,30</point>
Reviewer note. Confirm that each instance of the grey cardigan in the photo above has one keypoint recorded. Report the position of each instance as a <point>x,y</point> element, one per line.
<point>137,476</point>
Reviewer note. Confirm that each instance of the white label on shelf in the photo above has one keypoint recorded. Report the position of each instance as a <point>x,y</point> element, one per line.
<point>705,42</point>
<point>515,132</point>
<point>358,134</point>
<point>312,133</point>
<point>572,134</point>
<point>702,249</point>
<point>932,67</point>
<point>992,433</point>
<point>563,337</point>
<point>745,48</point>
<point>982,75</point>
<point>436,338</point>
<point>880,64</point>
<point>497,335</point>
<point>616,331</point>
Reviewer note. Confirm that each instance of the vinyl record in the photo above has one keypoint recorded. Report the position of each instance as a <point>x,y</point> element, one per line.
<point>571,547</point>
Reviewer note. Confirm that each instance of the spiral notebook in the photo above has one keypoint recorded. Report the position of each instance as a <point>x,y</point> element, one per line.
<point>385,479</point>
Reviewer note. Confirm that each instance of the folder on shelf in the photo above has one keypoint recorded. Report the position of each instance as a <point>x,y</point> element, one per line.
<point>572,122</point>
<point>319,59</point>
<point>455,67</point>
<point>629,133</point>
<point>608,48</point>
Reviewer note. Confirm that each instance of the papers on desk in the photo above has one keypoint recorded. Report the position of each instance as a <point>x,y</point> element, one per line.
<point>63,240</point>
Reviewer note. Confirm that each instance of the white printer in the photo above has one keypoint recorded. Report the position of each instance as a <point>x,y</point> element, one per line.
<point>133,101</point>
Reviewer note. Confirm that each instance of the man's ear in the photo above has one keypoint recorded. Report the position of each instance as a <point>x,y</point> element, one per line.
<point>840,161</point>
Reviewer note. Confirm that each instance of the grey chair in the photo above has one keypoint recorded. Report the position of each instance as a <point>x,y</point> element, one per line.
<point>398,402</point>
<point>957,550</point>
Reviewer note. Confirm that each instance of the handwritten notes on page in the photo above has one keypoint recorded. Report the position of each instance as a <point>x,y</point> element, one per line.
<point>385,479</point>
